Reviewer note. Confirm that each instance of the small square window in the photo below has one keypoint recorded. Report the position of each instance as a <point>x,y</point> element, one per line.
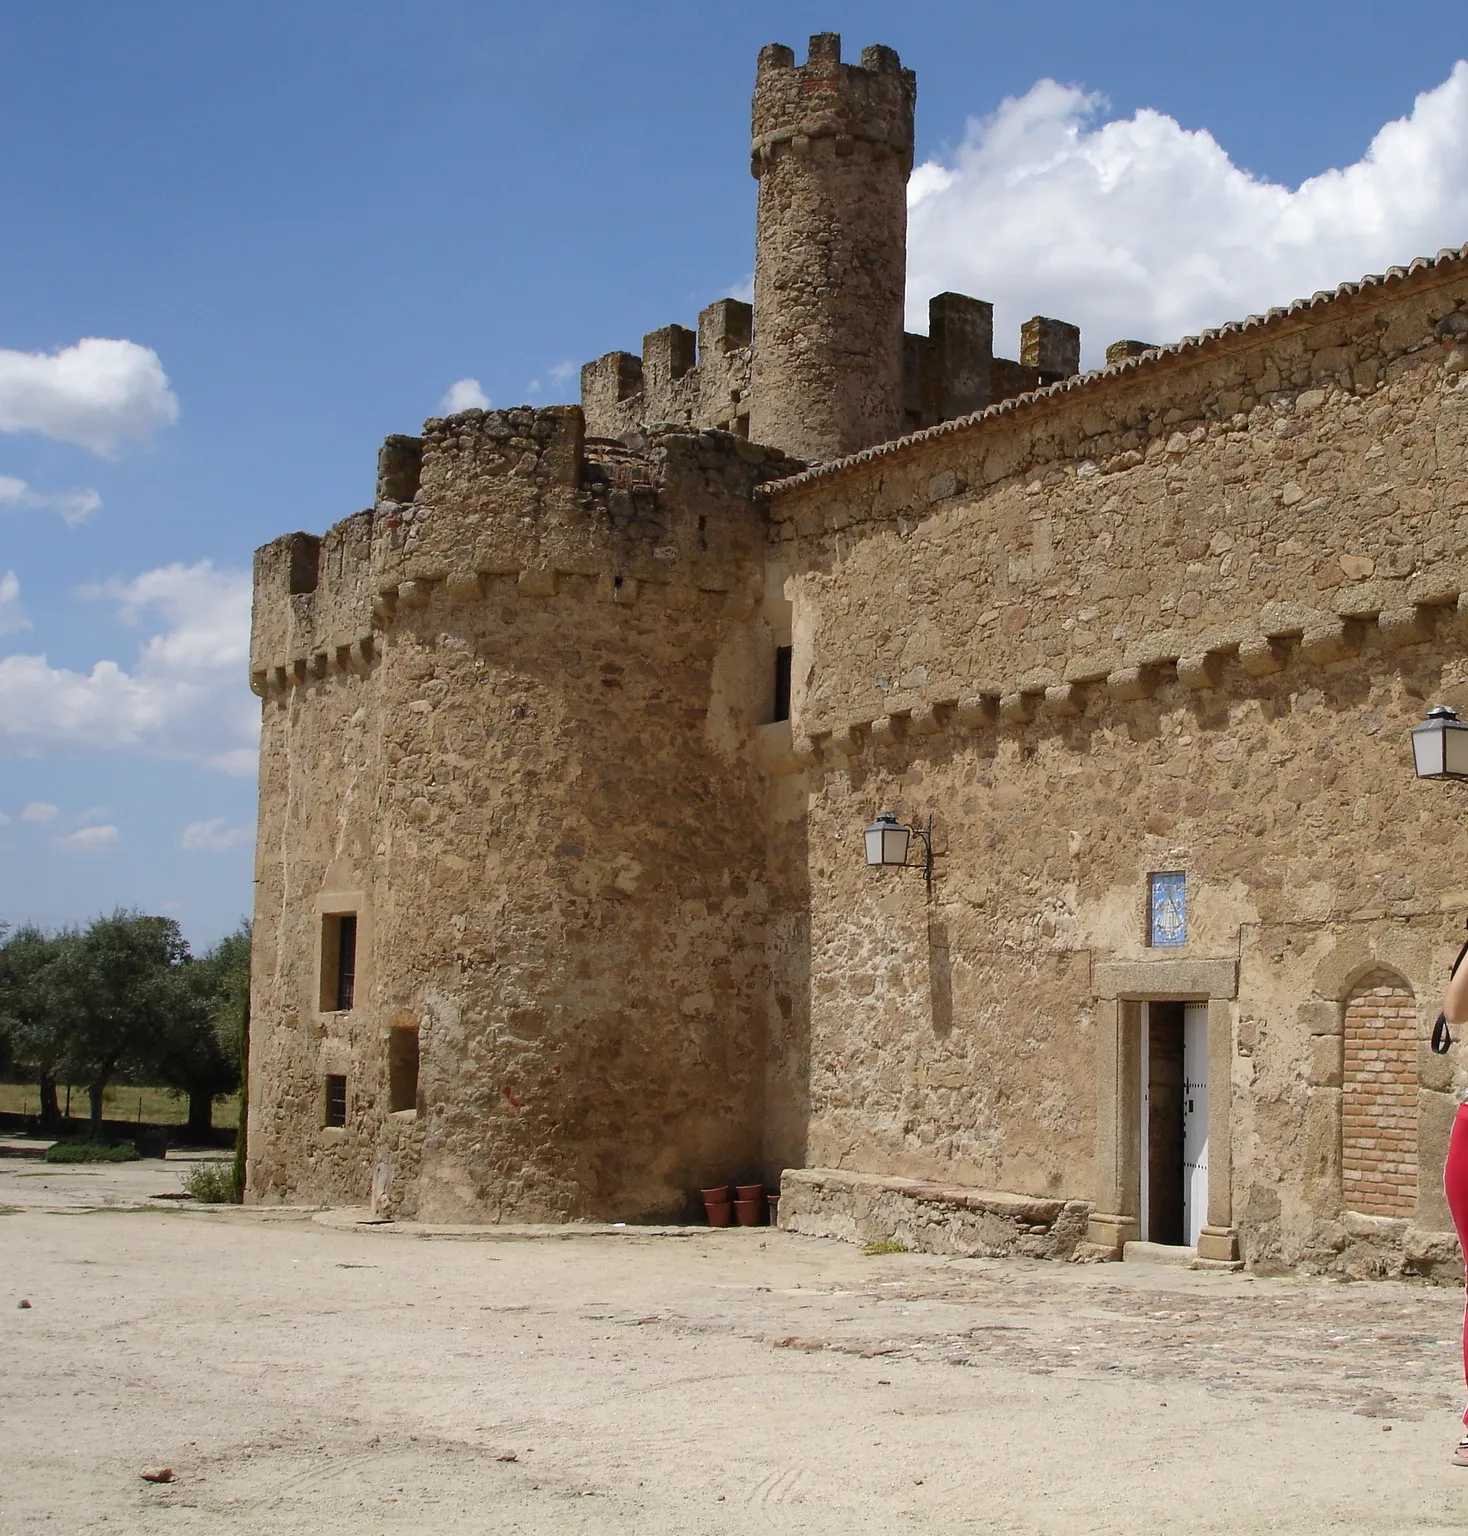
<point>1167,910</point>
<point>336,1099</point>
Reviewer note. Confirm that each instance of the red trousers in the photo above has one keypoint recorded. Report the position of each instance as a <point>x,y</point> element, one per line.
<point>1455,1186</point>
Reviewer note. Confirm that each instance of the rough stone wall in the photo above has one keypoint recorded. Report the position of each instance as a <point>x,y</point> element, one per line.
<point>1379,1097</point>
<point>538,792</point>
<point>1179,617</point>
<point>832,148</point>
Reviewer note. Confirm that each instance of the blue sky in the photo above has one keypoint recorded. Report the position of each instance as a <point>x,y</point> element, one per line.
<point>308,221</point>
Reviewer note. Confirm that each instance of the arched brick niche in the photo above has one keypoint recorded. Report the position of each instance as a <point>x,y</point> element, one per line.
<point>1379,1097</point>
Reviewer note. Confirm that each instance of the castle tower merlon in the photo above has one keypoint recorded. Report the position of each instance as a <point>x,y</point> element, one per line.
<point>669,376</point>
<point>725,329</point>
<point>724,326</point>
<point>1119,351</point>
<point>961,330</point>
<point>1052,346</point>
<point>399,467</point>
<point>831,147</point>
<point>667,355</point>
<point>610,387</point>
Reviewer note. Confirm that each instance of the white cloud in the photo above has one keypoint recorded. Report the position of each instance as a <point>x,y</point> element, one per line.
<point>185,698</point>
<point>463,395</point>
<point>98,393</point>
<point>562,373</point>
<point>89,839</point>
<point>12,615</point>
<point>72,507</point>
<point>1140,228</point>
<point>213,836</point>
<point>39,811</point>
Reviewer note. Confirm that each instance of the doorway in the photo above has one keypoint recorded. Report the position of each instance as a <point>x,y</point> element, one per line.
<point>1174,1123</point>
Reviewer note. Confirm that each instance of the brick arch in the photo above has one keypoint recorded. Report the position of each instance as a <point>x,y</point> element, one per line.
<point>1379,1097</point>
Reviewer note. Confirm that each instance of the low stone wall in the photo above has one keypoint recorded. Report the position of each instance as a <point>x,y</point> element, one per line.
<point>1362,1247</point>
<point>929,1218</point>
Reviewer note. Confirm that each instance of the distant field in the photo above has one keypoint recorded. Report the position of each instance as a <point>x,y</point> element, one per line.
<point>159,1106</point>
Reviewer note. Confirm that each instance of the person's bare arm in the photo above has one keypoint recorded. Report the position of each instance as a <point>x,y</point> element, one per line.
<point>1455,999</point>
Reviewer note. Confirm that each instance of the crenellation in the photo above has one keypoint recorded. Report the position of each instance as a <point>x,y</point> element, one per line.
<point>1051,347</point>
<point>399,467</point>
<point>585,717</point>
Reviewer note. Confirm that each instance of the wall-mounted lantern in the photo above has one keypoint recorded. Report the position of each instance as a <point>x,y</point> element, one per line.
<point>1440,745</point>
<point>888,841</point>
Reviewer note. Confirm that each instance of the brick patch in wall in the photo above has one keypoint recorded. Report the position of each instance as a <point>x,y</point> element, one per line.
<point>1379,1098</point>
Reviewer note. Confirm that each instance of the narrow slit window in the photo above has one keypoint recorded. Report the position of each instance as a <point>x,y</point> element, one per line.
<point>338,962</point>
<point>402,1069</point>
<point>336,1099</point>
<point>782,683</point>
<point>1167,910</point>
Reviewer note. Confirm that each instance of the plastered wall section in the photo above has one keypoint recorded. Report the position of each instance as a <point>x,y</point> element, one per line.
<point>1186,627</point>
<point>541,787</point>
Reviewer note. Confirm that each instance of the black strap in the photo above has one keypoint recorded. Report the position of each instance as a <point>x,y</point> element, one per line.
<point>1442,1036</point>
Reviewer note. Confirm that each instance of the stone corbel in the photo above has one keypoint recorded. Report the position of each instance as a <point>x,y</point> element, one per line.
<point>1065,700</point>
<point>978,711</point>
<point>884,731</point>
<point>1129,683</point>
<point>1263,655</point>
<point>1404,626</point>
<point>1016,708</point>
<point>1200,671</point>
<point>845,741</point>
<point>1331,640</point>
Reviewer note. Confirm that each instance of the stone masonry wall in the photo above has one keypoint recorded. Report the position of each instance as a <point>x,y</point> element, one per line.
<point>538,793</point>
<point>1179,617</point>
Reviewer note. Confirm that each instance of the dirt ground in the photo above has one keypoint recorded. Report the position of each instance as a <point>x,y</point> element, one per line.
<point>303,1373</point>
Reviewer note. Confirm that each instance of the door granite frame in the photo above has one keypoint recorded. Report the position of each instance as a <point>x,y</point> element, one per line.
<point>1120,988</point>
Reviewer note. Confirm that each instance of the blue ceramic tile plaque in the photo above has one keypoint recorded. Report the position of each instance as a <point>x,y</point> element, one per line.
<point>1168,910</point>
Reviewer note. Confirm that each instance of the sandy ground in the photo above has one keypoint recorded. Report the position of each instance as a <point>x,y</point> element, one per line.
<point>304,1373</point>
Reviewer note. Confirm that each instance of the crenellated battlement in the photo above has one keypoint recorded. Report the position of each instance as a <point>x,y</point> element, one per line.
<point>683,378</point>
<point>952,371</point>
<point>516,501</point>
<point>825,106</point>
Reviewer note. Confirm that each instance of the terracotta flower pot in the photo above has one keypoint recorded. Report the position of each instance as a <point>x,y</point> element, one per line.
<point>715,1195</point>
<point>748,1212</point>
<point>717,1212</point>
<point>749,1191</point>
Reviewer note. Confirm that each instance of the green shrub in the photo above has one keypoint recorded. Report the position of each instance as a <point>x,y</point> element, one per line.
<point>90,1152</point>
<point>887,1245</point>
<point>212,1184</point>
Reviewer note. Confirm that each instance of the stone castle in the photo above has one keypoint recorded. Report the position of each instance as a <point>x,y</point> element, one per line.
<point>570,742</point>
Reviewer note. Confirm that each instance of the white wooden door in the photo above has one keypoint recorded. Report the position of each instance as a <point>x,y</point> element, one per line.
<point>1144,1205</point>
<point>1195,1120</point>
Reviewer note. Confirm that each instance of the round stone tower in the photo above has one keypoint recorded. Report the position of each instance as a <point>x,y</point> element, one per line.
<point>832,150</point>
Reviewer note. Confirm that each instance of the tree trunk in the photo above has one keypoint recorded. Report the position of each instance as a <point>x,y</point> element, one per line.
<point>201,1117</point>
<point>50,1110</point>
<point>95,1091</point>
